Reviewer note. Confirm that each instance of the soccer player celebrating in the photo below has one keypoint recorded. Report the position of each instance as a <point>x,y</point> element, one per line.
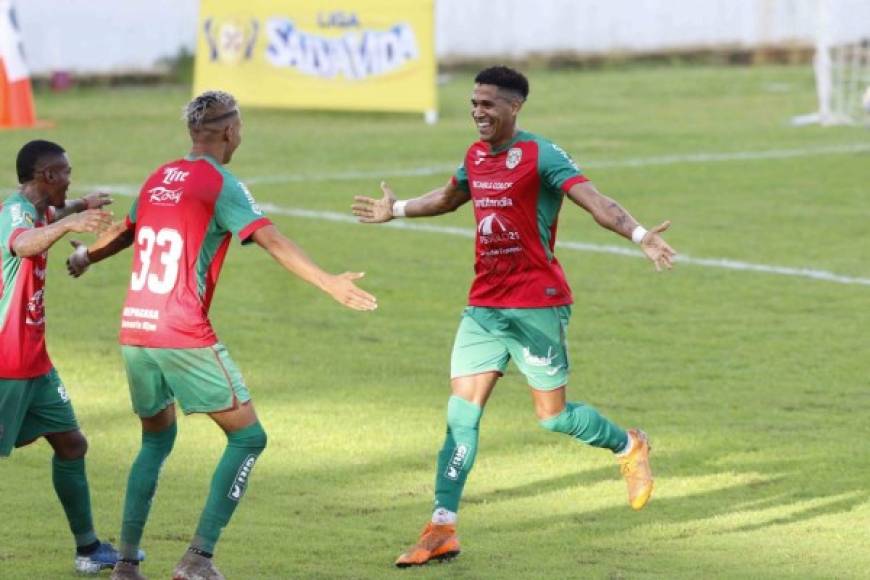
<point>181,225</point>
<point>33,401</point>
<point>519,302</point>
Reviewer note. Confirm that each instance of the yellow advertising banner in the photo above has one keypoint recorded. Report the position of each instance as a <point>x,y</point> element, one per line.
<point>365,55</point>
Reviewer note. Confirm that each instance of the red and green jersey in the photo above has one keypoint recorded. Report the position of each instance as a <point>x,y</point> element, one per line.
<point>22,291</point>
<point>186,213</point>
<point>517,192</point>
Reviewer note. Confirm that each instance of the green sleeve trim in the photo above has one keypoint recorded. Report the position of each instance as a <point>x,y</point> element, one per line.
<point>555,166</point>
<point>460,178</point>
<point>235,208</point>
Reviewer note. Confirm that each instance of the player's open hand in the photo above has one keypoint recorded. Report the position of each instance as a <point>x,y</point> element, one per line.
<point>342,288</point>
<point>375,211</point>
<point>96,200</point>
<point>92,220</point>
<point>657,249</point>
<point>78,262</point>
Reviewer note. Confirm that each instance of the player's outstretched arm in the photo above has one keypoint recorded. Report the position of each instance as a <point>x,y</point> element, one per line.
<point>436,202</point>
<point>614,217</point>
<point>117,237</point>
<point>94,200</point>
<point>341,286</point>
<point>37,240</point>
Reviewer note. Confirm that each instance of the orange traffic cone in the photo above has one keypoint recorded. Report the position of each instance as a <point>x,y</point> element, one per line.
<point>16,94</point>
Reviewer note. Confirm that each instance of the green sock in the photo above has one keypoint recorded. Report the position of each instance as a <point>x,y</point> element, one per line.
<point>457,455</point>
<point>71,485</point>
<point>228,484</point>
<point>589,426</point>
<point>141,487</point>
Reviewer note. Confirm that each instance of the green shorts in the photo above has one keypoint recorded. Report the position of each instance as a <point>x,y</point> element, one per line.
<point>534,337</point>
<point>202,380</point>
<point>30,408</point>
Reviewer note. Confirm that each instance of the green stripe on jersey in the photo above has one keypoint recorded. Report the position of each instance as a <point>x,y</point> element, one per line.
<point>16,212</point>
<point>554,168</point>
<point>234,209</point>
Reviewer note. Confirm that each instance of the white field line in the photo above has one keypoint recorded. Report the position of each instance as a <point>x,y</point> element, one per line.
<point>442,168</point>
<point>445,168</point>
<point>723,263</point>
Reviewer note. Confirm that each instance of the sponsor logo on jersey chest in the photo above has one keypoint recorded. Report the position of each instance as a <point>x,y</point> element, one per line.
<point>491,185</point>
<point>494,202</point>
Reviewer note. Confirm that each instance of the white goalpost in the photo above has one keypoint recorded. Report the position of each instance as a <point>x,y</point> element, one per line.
<point>841,64</point>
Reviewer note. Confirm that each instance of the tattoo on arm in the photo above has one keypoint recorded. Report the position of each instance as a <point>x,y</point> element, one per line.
<point>621,220</point>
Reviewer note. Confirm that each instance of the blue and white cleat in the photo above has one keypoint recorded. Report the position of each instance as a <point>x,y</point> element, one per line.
<point>103,558</point>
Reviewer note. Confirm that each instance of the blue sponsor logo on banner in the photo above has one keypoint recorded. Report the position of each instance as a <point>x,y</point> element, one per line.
<point>356,55</point>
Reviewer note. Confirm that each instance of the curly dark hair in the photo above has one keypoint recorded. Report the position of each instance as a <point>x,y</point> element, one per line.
<point>504,78</point>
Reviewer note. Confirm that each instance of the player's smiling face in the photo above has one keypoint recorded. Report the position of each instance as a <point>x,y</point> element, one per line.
<point>494,113</point>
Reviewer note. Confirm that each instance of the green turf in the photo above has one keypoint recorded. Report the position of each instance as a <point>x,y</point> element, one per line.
<point>753,386</point>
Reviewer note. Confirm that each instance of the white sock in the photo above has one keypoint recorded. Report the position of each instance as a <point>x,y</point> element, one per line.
<point>628,446</point>
<point>443,516</point>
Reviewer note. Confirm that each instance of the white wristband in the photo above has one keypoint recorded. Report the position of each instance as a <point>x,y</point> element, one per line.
<point>399,208</point>
<point>81,254</point>
<point>638,234</point>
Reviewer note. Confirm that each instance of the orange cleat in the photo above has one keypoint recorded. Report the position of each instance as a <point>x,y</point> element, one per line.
<point>635,468</point>
<point>437,542</point>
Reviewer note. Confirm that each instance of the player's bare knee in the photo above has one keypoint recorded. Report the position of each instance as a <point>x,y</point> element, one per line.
<point>70,445</point>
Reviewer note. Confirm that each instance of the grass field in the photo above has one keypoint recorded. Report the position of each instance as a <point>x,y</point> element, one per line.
<point>753,386</point>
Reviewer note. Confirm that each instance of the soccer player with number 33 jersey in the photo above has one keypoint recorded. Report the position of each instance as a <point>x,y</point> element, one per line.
<point>520,303</point>
<point>180,227</point>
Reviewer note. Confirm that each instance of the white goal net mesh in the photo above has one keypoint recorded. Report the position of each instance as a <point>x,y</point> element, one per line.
<point>841,63</point>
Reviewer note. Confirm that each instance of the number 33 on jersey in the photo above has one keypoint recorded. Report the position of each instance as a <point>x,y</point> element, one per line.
<point>186,213</point>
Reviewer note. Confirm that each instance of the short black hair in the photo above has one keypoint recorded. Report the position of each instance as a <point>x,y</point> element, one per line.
<point>504,78</point>
<point>31,154</point>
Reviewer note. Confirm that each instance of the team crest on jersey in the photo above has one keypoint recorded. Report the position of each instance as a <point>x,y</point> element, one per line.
<point>514,156</point>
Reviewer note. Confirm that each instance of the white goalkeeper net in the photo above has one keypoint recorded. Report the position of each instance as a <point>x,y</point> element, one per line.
<point>841,63</point>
